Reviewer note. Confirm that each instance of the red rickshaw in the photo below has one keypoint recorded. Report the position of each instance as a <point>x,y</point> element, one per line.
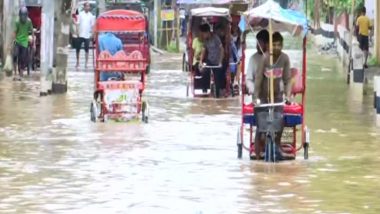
<point>35,14</point>
<point>270,15</point>
<point>121,99</point>
<point>219,20</point>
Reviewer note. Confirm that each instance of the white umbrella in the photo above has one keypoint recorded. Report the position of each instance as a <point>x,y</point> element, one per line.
<point>272,16</point>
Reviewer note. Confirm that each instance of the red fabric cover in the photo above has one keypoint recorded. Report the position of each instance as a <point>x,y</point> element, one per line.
<point>121,20</point>
<point>294,108</point>
<point>35,16</point>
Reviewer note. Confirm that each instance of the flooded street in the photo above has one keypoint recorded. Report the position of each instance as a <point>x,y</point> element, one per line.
<point>53,159</point>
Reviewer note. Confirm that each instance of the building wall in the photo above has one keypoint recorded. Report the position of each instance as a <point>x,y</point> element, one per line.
<point>370,6</point>
<point>377,29</point>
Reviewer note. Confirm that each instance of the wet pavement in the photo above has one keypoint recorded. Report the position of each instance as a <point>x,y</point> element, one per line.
<point>53,159</point>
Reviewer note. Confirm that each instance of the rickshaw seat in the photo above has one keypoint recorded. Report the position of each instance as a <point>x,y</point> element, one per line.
<point>294,108</point>
<point>292,115</point>
<point>298,86</point>
<point>119,61</point>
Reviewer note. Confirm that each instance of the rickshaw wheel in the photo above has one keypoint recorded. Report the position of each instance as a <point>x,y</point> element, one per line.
<point>213,89</point>
<point>93,111</point>
<point>187,89</point>
<point>144,112</point>
<point>147,70</point>
<point>306,151</point>
<point>240,151</point>
<point>239,144</point>
<point>30,60</point>
<point>184,67</point>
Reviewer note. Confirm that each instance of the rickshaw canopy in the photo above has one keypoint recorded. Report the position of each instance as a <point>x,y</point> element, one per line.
<point>289,20</point>
<point>121,20</point>
<point>210,11</point>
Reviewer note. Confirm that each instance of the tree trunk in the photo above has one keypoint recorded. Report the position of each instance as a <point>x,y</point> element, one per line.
<point>317,23</point>
<point>10,12</point>
<point>62,42</point>
<point>102,6</point>
<point>47,46</point>
<point>377,30</point>
<point>2,30</point>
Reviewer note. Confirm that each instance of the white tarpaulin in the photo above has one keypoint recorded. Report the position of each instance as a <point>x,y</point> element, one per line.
<point>210,11</point>
<point>282,19</point>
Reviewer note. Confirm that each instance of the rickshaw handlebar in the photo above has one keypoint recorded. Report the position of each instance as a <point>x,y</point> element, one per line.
<point>269,105</point>
<point>211,66</point>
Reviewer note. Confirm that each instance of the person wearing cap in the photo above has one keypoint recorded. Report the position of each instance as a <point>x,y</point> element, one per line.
<point>23,28</point>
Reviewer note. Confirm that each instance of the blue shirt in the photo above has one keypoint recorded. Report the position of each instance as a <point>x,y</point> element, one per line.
<point>109,42</point>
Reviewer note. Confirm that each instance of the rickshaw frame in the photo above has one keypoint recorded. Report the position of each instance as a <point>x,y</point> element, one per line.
<point>207,12</point>
<point>122,22</point>
<point>299,110</point>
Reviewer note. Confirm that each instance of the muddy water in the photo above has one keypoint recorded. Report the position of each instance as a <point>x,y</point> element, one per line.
<point>54,160</point>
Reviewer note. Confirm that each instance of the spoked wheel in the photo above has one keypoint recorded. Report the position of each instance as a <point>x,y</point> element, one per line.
<point>306,144</point>
<point>239,144</point>
<point>145,112</point>
<point>187,89</point>
<point>94,112</point>
<point>271,152</point>
<point>306,151</point>
<point>257,148</point>
<point>213,89</point>
<point>184,64</point>
<point>30,60</point>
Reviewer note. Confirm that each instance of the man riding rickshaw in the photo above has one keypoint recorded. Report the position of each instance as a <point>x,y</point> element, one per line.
<point>276,85</point>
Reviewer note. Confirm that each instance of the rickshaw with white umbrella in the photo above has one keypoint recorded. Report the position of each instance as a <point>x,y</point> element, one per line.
<point>271,115</point>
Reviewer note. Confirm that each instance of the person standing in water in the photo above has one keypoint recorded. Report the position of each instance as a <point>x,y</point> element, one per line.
<point>86,22</point>
<point>364,27</point>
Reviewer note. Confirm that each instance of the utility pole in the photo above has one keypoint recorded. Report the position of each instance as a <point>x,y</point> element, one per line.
<point>352,27</point>
<point>59,85</point>
<point>157,4</point>
<point>47,43</point>
<point>10,12</point>
<point>2,30</point>
<point>377,30</point>
<point>102,6</point>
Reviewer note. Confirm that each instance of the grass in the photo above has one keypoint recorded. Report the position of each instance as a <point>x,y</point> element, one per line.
<point>171,48</point>
<point>373,61</point>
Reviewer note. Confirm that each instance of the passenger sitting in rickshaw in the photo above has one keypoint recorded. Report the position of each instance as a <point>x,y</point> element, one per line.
<point>212,55</point>
<point>262,38</point>
<point>235,57</point>
<point>197,49</point>
<point>282,87</point>
<point>109,42</point>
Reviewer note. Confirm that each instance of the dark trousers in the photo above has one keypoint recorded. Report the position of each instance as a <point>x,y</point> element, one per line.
<point>219,78</point>
<point>204,82</point>
<point>78,44</point>
<point>20,56</point>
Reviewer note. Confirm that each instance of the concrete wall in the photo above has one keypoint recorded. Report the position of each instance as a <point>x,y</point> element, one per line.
<point>377,29</point>
<point>327,34</point>
<point>371,8</point>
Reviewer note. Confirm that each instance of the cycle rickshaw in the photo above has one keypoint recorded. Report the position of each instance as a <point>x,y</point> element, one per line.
<point>218,19</point>
<point>120,98</point>
<point>35,14</point>
<point>271,16</point>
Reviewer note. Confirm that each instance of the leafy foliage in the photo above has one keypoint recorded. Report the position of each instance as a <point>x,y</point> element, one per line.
<point>338,6</point>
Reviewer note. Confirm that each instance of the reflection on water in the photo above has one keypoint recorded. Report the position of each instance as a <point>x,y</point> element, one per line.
<point>54,160</point>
